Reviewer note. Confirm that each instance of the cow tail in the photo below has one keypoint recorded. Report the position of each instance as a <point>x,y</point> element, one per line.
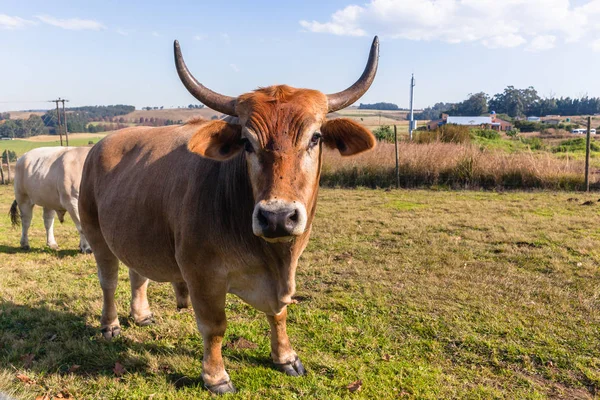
<point>15,216</point>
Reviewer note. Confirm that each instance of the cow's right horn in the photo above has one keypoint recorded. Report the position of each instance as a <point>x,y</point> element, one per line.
<point>214,100</point>
<point>343,99</point>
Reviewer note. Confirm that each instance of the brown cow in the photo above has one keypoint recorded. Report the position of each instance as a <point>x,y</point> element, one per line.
<point>217,207</point>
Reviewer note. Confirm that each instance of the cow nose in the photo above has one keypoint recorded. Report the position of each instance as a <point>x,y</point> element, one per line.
<point>279,219</point>
<point>277,223</point>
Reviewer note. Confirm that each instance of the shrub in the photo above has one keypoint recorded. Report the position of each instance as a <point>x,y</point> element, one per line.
<point>534,143</point>
<point>513,133</point>
<point>384,133</point>
<point>529,126</point>
<point>573,145</point>
<point>486,133</point>
<point>11,155</point>
<point>448,133</point>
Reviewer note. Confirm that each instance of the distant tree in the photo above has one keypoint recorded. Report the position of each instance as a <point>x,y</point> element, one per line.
<point>515,102</point>
<point>474,105</point>
<point>34,125</point>
<point>434,112</point>
<point>378,106</point>
<point>4,116</point>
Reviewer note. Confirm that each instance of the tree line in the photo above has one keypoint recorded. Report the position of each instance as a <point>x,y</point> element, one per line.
<point>514,102</point>
<point>378,106</point>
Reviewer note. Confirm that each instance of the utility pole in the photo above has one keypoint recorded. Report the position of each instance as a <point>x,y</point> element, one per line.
<point>58,121</point>
<point>411,122</point>
<point>65,121</point>
<point>587,155</point>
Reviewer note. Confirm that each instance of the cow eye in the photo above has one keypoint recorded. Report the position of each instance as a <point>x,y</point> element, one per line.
<point>247,145</point>
<point>314,140</point>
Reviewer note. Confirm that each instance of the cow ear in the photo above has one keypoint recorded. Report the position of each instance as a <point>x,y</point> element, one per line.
<point>217,140</point>
<point>347,136</point>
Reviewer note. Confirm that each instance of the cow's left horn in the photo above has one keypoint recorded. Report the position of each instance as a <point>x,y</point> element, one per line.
<point>214,100</point>
<point>340,100</point>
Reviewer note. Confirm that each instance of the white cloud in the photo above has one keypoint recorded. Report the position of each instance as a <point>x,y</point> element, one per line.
<point>75,24</point>
<point>595,45</point>
<point>8,22</point>
<point>492,23</point>
<point>542,42</point>
<point>506,41</point>
<point>122,32</point>
<point>226,38</point>
<point>343,22</point>
<point>234,67</point>
<point>200,37</point>
<point>155,34</point>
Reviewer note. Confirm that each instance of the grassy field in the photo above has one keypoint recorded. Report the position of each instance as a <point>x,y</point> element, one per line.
<point>21,146</point>
<point>417,294</point>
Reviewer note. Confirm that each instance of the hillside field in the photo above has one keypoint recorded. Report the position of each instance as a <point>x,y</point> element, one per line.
<point>403,294</point>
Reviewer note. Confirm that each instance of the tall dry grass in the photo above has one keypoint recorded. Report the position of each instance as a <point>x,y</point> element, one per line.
<point>453,165</point>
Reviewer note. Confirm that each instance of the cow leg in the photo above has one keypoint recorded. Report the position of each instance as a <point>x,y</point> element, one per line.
<point>284,357</point>
<point>140,309</point>
<point>209,307</point>
<point>26,210</point>
<point>182,295</point>
<point>73,210</point>
<point>108,273</point>
<point>49,225</point>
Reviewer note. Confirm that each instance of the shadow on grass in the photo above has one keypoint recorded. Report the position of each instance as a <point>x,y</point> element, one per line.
<point>48,341</point>
<point>61,253</point>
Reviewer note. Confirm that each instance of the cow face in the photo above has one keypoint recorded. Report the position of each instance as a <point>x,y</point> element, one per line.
<point>282,131</point>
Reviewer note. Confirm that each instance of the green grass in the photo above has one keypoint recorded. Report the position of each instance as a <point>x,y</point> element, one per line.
<point>23,146</point>
<point>419,294</point>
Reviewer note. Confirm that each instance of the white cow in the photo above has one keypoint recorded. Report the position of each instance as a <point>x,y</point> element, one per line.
<point>49,177</point>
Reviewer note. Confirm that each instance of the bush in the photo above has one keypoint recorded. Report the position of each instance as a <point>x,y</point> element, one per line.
<point>534,143</point>
<point>486,133</point>
<point>513,133</point>
<point>528,126</point>
<point>384,133</point>
<point>573,145</point>
<point>448,133</point>
<point>11,155</point>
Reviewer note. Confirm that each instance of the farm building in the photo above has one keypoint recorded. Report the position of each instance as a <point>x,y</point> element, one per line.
<point>490,121</point>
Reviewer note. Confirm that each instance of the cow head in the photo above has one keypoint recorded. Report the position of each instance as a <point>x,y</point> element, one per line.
<point>282,130</point>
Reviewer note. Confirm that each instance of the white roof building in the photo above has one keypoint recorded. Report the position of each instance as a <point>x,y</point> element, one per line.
<point>471,121</point>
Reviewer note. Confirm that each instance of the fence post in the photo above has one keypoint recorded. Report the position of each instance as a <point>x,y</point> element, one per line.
<point>2,173</point>
<point>7,165</point>
<point>397,166</point>
<point>587,155</point>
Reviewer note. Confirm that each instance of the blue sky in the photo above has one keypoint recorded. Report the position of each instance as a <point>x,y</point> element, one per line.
<point>107,52</point>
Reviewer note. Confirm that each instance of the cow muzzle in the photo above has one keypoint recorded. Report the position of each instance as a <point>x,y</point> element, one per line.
<point>278,220</point>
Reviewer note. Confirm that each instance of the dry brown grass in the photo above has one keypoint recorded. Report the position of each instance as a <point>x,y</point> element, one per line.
<point>175,114</point>
<point>454,165</point>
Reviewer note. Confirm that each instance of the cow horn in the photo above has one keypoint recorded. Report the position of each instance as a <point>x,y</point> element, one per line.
<point>343,99</point>
<point>214,100</point>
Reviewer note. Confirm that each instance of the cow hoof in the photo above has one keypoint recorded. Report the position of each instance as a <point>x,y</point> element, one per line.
<point>224,387</point>
<point>53,246</point>
<point>86,250</point>
<point>110,332</point>
<point>292,368</point>
<point>148,320</point>
<point>25,247</point>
